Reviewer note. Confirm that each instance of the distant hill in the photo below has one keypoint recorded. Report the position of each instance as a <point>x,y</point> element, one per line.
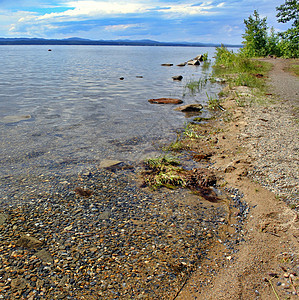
<point>80,41</point>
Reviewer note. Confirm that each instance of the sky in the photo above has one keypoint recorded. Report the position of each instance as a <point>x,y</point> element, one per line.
<point>214,21</point>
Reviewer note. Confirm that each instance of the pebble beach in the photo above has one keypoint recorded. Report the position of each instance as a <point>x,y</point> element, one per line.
<point>99,235</point>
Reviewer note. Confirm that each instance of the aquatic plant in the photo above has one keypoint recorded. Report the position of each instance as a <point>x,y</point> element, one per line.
<point>195,86</point>
<point>164,171</point>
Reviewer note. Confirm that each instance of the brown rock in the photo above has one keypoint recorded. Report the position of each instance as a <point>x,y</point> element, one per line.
<point>29,242</point>
<point>83,192</point>
<point>190,108</point>
<point>165,101</point>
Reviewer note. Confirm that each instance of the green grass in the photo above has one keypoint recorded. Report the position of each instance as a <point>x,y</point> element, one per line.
<point>214,103</point>
<point>294,67</point>
<point>240,70</point>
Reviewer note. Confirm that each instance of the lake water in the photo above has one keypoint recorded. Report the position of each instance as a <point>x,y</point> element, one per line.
<point>66,109</point>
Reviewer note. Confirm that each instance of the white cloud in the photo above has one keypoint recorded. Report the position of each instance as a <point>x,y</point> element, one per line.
<point>94,8</point>
<point>121,27</point>
<point>97,8</point>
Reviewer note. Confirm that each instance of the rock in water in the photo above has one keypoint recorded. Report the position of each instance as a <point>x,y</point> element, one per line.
<point>190,108</point>
<point>15,118</point>
<point>29,242</point>
<point>108,163</point>
<point>3,218</point>
<point>165,101</point>
<point>45,256</point>
<point>194,62</point>
<point>179,77</point>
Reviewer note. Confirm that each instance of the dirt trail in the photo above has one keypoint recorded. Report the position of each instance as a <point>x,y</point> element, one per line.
<point>257,153</point>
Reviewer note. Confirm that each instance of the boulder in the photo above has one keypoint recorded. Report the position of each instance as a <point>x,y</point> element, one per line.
<point>194,62</point>
<point>179,77</point>
<point>167,65</point>
<point>182,64</point>
<point>165,101</point>
<point>199,57</point>
<point>190,108</point>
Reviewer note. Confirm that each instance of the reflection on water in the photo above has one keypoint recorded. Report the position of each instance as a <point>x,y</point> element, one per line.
<point>81,112</point>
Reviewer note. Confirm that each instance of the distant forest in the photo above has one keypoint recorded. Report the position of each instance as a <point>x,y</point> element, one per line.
<point>78,41</point>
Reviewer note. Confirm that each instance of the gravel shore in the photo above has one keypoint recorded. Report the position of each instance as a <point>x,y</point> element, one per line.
<point>99,235</point>
<point>272,136</point>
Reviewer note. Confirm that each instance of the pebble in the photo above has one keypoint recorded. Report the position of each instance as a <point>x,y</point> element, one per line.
<point>120,242</point>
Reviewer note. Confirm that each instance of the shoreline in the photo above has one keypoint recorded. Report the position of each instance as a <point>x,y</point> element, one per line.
<point>97,234</point>
<point>266,263</point>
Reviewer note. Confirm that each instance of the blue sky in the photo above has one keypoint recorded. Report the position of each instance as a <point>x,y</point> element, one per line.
<point>215,21</point>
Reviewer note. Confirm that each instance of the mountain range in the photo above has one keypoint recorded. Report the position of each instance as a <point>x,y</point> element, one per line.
<point>80,41</point>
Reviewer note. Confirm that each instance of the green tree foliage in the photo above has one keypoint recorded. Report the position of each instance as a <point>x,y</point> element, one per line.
<point>289,11</point>
<point>273,44</point>
<point>255,36</point>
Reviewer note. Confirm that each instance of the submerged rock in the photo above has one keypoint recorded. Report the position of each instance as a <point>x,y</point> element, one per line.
<point>3,218</point>
<point>167,65</point>
<point>165,101</point>
<point>29,242</point>
<point>108,163</point>
<point>15,119</point>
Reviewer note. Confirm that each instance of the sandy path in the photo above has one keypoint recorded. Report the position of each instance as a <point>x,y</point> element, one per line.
<point>263,141</point>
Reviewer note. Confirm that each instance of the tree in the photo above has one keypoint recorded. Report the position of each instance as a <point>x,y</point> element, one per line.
<point>255,36</point>
<point>289,11</point>
<point>273,43</point>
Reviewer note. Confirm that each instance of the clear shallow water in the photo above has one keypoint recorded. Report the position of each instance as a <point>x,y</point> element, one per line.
<point>81,112</point>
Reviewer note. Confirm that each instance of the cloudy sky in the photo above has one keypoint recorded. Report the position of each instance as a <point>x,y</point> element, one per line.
<point>216,21</point>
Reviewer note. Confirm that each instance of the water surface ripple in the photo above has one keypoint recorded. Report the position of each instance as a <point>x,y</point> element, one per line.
<point>67,107</point>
